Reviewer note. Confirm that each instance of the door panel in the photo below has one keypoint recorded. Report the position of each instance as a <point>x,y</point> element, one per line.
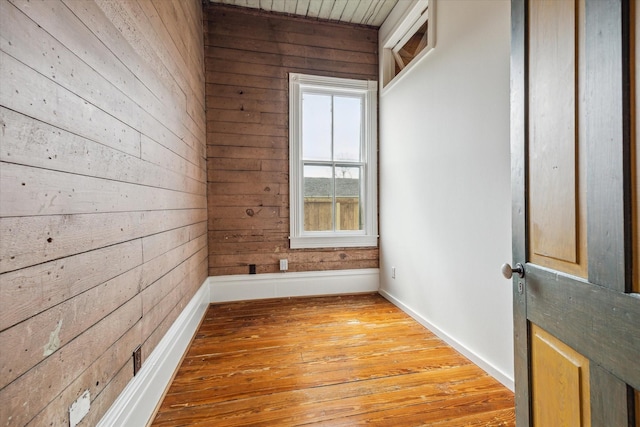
<point>560,381</point>
<point>575,208</point>
<point>609,399</point>
<point>635,155</point>
<point>608,145</point>
<point>557,208</point>
<point>635,123</point>
<point>637,393</point>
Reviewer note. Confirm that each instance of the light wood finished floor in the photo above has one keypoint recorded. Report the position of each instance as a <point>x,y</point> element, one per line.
<point>330,361</point>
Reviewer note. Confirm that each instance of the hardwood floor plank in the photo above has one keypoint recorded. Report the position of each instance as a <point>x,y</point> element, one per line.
<point>501,417</point>
<point>430,412</point>
<point>333,361</point>
<point>250,380</point>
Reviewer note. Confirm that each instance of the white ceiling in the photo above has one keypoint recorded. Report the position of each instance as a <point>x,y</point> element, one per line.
<point>365,12</point>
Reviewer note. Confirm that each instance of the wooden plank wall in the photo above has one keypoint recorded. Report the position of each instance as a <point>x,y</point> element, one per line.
<point>103,236</point>
<point>248,56</point>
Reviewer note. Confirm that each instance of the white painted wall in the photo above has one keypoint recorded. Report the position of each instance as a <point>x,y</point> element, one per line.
<point>445,195</point>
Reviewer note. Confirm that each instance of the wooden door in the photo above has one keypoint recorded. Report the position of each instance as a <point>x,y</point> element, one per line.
<point>576,317</point>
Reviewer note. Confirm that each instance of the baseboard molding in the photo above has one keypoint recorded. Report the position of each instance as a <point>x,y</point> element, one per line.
<point>294,284</point>
<point>136,404</point>
<point>482,363</point>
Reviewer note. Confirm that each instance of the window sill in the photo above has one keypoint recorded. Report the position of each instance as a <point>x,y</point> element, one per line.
<point>333,241</point>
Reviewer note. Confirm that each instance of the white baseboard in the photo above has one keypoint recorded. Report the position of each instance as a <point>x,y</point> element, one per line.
<point>483,364</point>
<point>294,284</point>
<point>136,404</point>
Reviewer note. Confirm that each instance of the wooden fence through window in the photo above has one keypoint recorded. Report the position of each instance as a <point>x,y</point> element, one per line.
<point>318,213</point>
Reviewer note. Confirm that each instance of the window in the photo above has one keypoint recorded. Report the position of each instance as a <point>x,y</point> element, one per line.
<point>414,42</point>
<point>333,164</point>
<point>410,40</point>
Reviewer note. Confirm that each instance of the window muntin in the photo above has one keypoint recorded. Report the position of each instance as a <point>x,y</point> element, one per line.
<point>333,162</point>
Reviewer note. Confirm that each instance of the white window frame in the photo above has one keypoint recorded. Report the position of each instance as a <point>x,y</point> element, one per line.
<point>368,237</point>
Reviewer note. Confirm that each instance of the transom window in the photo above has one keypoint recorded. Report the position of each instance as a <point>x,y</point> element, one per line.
<point>408,41</point>
<point>414,42</point>
<point>332,162</point>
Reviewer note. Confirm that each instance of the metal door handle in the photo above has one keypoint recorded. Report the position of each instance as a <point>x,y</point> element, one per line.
<point>507,271</point>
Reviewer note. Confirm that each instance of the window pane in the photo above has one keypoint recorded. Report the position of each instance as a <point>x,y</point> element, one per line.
<point>412,47</point>
<point>316,126</point>
<point>348,200</point>
<point>347,128</point>
<point>318,198</point>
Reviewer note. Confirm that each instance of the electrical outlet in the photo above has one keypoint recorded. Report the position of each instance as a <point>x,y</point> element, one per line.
<point>284,265</point>
<point>137,359</point>
<point>393,272</point>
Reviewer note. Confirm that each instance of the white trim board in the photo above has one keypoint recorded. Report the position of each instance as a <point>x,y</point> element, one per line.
<point>137,403</point>
<point>479,361</point>
<point>293,284</point>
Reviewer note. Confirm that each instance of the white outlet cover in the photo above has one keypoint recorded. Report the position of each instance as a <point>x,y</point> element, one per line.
<point>79,409</point>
